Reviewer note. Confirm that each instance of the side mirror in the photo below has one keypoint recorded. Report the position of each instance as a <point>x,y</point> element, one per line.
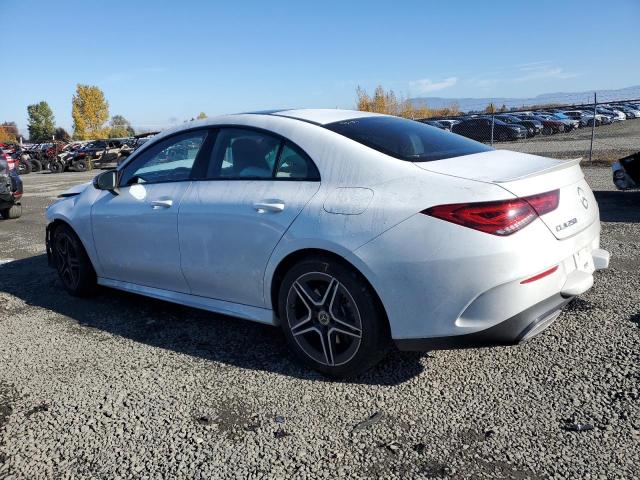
<point>107,181</point>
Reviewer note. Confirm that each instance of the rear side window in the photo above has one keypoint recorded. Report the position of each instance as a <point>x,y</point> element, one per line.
<point>407,139</point>
<point>294,164</point>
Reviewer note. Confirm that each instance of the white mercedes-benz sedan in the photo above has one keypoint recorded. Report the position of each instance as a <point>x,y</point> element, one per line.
<point>350,230</point>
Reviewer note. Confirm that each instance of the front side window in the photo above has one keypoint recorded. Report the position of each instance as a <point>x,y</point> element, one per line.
<point>243,153</point>
<point>406,139</point>
<point>169,160</point>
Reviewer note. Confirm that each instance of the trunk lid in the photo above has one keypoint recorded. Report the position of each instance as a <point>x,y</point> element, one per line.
<point>522,175</point>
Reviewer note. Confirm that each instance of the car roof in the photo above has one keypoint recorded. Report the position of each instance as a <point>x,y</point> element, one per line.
<point>320,116</point>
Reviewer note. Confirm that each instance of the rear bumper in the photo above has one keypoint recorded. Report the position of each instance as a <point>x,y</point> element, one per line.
<point>514,330</point>
<point>521,326</point>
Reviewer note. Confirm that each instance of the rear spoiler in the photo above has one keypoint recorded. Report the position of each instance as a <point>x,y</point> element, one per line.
<point>559,166</point>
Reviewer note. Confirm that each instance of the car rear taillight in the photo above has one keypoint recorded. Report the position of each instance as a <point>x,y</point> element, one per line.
<point>502,217</point>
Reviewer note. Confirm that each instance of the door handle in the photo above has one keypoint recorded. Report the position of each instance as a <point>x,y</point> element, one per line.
<point>274,206</point>
<point>161,204</point>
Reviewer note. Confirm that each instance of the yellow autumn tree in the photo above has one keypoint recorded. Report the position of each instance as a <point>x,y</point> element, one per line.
<point>491,108</point>
<point>387,102</point>
<point>90,111</point>
<point>201,116</point>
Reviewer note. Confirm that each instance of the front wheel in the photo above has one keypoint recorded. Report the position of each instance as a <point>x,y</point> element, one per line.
<point>24,167</point>
<point>72,262</point>
<point>331,318</point>
<point>15,211</point>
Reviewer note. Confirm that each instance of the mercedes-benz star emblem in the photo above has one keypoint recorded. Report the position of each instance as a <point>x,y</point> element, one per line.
<point>583,198</point>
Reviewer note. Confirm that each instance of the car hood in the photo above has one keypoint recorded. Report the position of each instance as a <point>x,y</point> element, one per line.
<point>75,190</point>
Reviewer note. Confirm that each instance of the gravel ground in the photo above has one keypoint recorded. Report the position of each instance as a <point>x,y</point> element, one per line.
<point>126,387</point>
<point>610,142</point>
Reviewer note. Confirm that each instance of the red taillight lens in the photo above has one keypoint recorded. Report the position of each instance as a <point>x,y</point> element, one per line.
<point>544,202</point>
<point>497,218</point>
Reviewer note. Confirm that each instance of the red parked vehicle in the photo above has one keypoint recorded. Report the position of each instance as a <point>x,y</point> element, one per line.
<point>10,187</point>
<point>549,125</point>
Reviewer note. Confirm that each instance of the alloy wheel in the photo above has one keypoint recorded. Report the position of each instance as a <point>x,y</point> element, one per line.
<point>324,319</point>
<point>67,260</point>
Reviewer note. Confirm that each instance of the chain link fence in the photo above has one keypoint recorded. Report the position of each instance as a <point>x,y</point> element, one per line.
<point>599,132</point>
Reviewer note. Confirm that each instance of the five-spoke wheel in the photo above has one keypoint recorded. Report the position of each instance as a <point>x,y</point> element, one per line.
<point>72,262</point>
<point>323,318</point>
<point>330,317</point>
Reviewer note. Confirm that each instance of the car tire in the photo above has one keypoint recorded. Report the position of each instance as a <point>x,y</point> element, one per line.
<point>36,166</point>
<point>24,167</point>
<point>15,211</point>
<point>547,131</point>
<point>502,136</point>
<point>80,166</point>
<point>331,318</point>
<point>72,262</point>
<point>56,167</point>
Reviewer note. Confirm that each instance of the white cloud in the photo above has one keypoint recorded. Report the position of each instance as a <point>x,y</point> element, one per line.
<point>425,85</point>
<point>522,73</point>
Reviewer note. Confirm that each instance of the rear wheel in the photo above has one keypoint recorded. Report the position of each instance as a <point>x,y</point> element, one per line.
<point>72,262</point>
<point>331,319</point>
<point>56,167</point>
<point>13,212</point>
<point>80,166</point>
<point>502,136</point>
<point>36,166</point>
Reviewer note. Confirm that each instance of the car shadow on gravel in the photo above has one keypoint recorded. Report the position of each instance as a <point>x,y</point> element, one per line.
<point>619,206</point>
<point>209,336</point>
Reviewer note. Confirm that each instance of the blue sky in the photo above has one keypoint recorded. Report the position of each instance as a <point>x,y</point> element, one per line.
<point>160,62</point>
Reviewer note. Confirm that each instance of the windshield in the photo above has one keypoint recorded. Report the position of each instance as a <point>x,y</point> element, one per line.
<point>406,139</point>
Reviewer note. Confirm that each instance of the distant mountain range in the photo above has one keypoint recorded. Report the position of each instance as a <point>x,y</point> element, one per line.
<point>571,98</point>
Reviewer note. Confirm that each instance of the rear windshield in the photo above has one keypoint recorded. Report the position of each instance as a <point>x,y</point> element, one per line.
<point>407,139</point>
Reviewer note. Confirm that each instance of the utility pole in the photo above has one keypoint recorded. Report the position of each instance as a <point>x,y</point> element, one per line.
<point>593,125</point>
<point>493,122</point>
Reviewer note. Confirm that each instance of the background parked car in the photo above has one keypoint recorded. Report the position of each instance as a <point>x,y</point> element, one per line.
<point>437,124</point>
<point>533,126</point>
<point>586,119</point>
<point>550,125</point>
<point>10,188</point>
<point>480,129</point>
<point>626,172</point>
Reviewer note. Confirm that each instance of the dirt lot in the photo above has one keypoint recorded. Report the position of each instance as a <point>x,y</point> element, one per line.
<point>121,386</point>
<point>610,142</point>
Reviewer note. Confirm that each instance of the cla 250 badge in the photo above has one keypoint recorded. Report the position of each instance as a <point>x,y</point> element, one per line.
<point>566,224</point>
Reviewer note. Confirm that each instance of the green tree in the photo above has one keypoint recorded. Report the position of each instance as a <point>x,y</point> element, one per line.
<point>120,127</point>
<point>41,122</point>
<point>201,116</point>
<point>90,111</point>
<point>62,135</point>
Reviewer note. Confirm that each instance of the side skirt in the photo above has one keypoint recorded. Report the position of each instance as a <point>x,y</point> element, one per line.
<point>246,312</point>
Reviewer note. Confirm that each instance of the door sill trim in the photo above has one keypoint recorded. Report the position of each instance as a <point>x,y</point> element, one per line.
<point>246,312</point>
